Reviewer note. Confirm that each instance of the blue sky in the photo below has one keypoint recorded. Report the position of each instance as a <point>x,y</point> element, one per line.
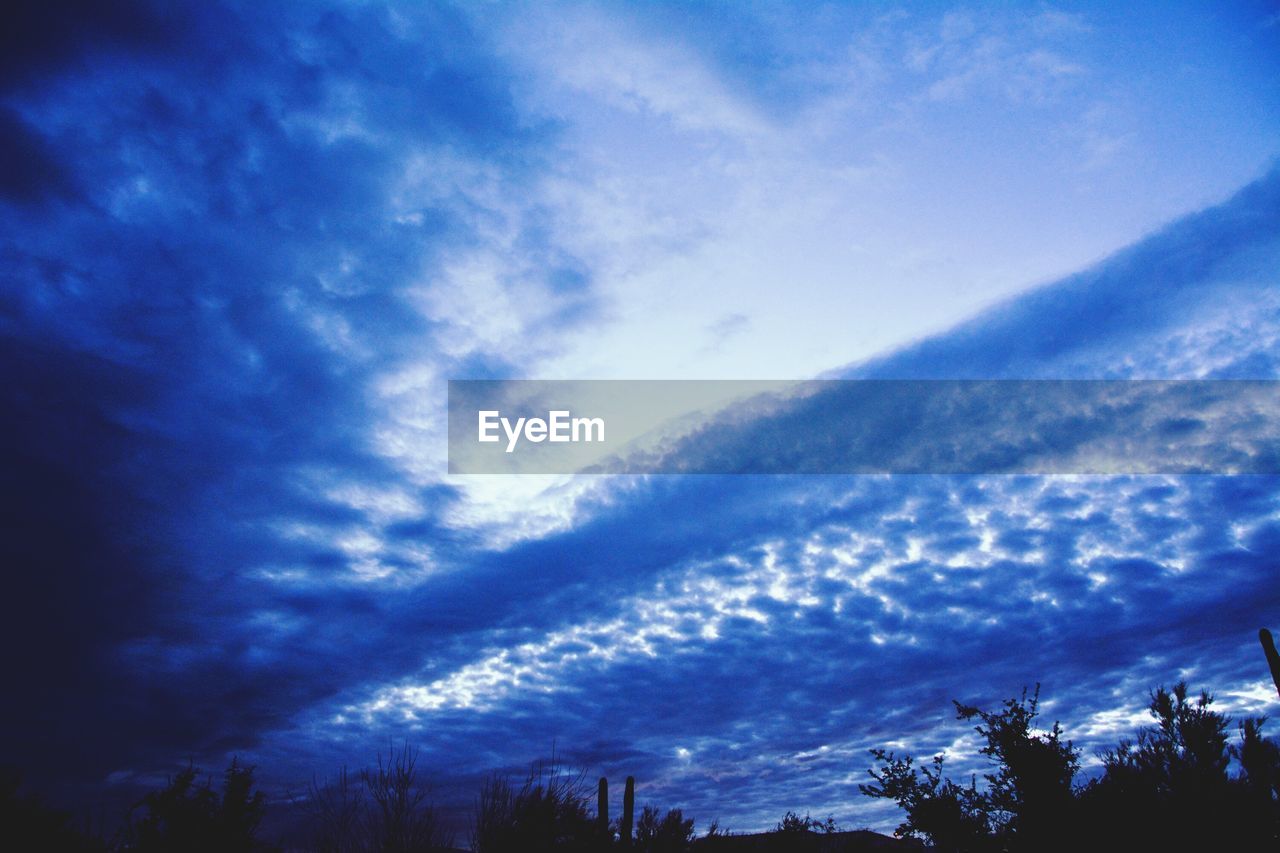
<point>244,249</point>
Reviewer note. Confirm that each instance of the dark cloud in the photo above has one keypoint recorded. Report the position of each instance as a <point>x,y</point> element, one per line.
<point>30,173</point>
<point>189,336</point>
<point>41,39</point>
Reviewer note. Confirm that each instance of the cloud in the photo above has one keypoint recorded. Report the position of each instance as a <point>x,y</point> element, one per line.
<point>1121,317</point>
<point>31,175</point>
<point>925,426</point>
<point>791,628</point>
<point>726,327</point>
<point>1020,57</point>
<point>231,244</point>
<point>46,39</point>
<point>623,63</point>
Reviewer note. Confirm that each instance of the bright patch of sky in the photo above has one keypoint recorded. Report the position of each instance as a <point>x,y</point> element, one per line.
<point>768,192</point>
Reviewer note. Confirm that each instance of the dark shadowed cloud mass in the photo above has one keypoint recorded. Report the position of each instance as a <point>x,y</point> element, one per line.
<point>243,248</point>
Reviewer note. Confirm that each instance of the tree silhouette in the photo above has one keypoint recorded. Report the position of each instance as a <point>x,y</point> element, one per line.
<point>338,815</point>
<point>189,815</point>
<point>385,808</point>
<point>1026,802</point>
<point>1260,765</point>
<point>948,816</point>
<point>401,817</point>
<point>1028,798</point>
<point>1173,788</point>
<point>671,833</point>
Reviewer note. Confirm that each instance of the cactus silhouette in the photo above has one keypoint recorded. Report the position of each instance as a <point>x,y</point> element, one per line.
<point>628,811</point>
<point>602,806</point>
<point>1273,657</point>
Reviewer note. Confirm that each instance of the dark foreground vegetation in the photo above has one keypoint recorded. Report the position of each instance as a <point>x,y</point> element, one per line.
<point>1172,788</point>
<point>1188,781</point>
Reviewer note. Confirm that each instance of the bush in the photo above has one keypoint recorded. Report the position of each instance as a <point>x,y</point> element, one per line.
<point>548,812</point>
<point>338,815</point>
<point>670,834</point>
<point>190,816</point>
<point>792,822</point>
<point>388,810</point>
<point>1172,789</point>
<point>1029,797</point>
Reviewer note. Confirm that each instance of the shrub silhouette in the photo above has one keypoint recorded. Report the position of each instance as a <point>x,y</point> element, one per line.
<point>1260,765</point>
<point>792,822</point>
<point>672,833</point>
<point>951,817</point>
<point>548,812</point>
<point>402,818</point>
<point>190,816</point>
<point>1172,788</point>
<point>338,815</point>
<point>1029,796</point>
<point>387,808</point>
<point>1024,803</point>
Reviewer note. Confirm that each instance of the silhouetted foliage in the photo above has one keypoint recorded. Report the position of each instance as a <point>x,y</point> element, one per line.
<point>189,815</point>
<point>548,812</point>
<point>792,822</point>
<point>1260,762</point>
<point>386,809</point>
<point>402,818</point>
<point>1171,789</point>
<point>1028,799</point>
<point>1179,783</point>
<point>672,833</point>
<point>951,817</point>
<point>338,815</point>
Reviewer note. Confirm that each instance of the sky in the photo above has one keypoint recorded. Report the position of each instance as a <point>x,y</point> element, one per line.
<point>245,247</point>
